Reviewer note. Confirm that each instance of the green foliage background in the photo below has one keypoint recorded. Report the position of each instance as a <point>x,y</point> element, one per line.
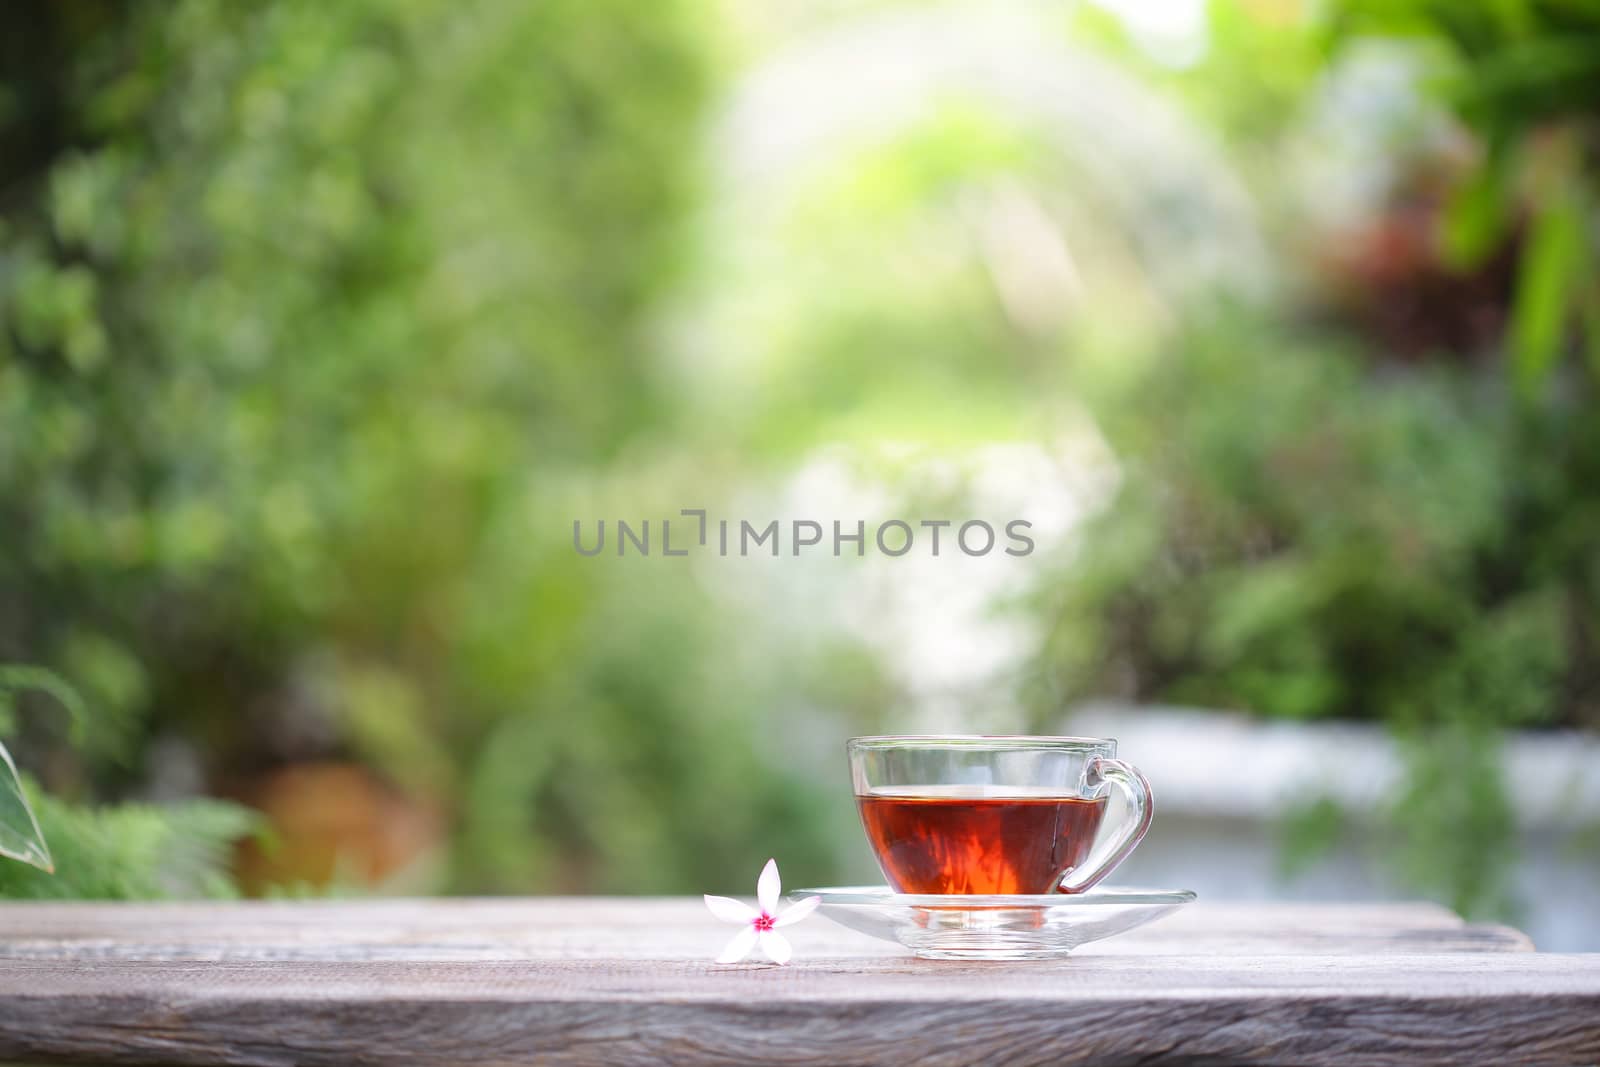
<point>320,322</point>
<point>1377,499</point>
<point>312,315</point>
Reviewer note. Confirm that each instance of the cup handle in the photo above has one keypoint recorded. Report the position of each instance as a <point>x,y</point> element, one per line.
<point>1102,773</point>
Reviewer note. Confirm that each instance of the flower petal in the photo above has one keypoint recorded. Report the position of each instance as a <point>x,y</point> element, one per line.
<point>776,946</point>
<point>740,946</point>
<point>797,911</point>
<point>729,910</point>
<point>768,887</point>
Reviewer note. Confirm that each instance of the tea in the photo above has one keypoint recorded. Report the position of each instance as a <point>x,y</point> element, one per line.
<point>964,839</point>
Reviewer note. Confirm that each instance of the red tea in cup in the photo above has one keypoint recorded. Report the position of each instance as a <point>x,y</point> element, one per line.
<point>954,839</point>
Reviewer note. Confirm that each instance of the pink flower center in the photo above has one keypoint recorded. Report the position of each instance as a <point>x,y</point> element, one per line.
<point>763,921</point>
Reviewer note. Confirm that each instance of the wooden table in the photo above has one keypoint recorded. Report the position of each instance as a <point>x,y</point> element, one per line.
<point>628,981</point>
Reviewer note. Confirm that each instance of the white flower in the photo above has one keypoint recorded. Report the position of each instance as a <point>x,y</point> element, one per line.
<point>760,927</point>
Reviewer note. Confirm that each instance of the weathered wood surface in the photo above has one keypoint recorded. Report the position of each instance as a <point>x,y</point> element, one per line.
<point>628,981</point>
<point>656,928</point>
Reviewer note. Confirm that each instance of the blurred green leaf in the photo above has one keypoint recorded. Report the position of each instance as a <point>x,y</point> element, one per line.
<point>1478,216</point>
<point>1551,273</point>
<point>16,679</point>
<point>20,836</point>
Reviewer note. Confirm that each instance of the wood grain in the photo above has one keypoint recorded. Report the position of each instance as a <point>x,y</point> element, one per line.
<point>626,981</point>
<point>615,927</point>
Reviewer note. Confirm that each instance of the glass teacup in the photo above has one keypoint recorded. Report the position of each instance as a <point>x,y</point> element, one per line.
<point>995,815</point>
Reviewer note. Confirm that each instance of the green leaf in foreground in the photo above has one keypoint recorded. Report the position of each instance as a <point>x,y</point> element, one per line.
<point>20,836</point>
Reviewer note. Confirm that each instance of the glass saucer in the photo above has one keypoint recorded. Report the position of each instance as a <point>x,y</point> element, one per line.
<point>938,927</point>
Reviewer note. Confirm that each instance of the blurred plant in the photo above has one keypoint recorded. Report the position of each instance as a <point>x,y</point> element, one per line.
<point>1524,76</point>
<point>318,323</point>
<point>1388,512</point>
<point>132,851</point>
<point>1296,538</point>
<point>1306,531</point>
<point>20,836</point>
<point>123,853</point>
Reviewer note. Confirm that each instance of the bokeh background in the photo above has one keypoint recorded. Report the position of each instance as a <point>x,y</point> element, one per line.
<point>320,324</point>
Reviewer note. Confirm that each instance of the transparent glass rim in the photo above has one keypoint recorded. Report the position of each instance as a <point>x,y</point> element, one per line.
<point>882,896</point>
<point>978,741</point>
